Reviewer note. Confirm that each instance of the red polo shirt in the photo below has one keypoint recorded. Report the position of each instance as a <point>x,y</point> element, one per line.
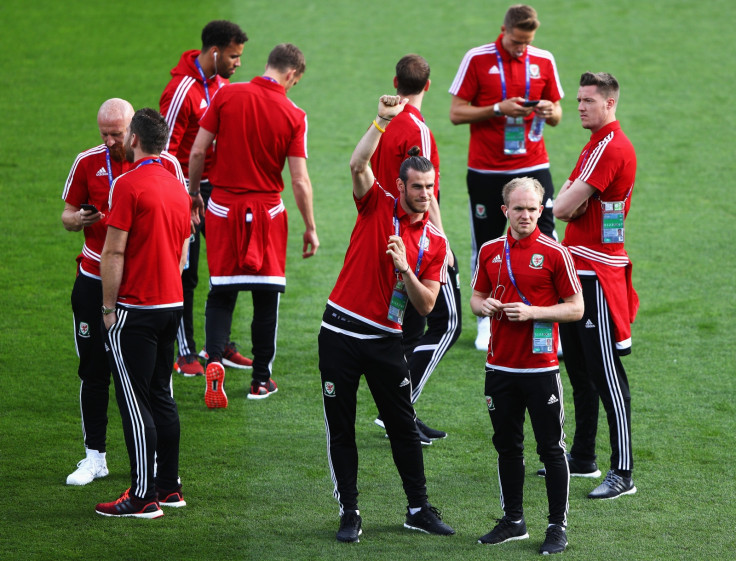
<point>257,128</point>
<point>478,81</point>
<point>544,272</point>
<point>364,286</point>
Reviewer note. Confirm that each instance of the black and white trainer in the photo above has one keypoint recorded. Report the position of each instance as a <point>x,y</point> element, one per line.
<point>578,468</point>
<point>506,530</point>
<point>350,527</point>
<point>613,486</point>
<point>555,541</point>
<point>432,434</point>
<point>427,520</point>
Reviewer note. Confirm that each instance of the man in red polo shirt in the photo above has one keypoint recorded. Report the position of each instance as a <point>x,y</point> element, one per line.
<point>395,255</point>
<point>488,92</point>
<point>85,196</point>
<point>258,129</point>
<point>594,201</point>
<point>194,82</point>
<point>525,283</point>
<point>141,263</point>
<point>423,350</point>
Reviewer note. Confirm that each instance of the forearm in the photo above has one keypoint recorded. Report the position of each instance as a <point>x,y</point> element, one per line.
<point>461,112</point>
<point>422,296</point>
<point>111,271</point>
<point>359,161</point>
<point>71,220</point>
<point>476,304</point>
<point>196,168</point>
<point>302,188</point>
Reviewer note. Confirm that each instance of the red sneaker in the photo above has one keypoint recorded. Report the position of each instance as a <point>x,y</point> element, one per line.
<point>261,390</point>
<point>214,395</point>
<point>129,506</point>
<point>231,357</point>
<point>189,365</point>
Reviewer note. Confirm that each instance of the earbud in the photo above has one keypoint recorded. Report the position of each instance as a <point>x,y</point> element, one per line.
<point>507,214</point>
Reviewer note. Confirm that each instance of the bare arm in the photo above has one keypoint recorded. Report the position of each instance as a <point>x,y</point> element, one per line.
<point>571,309</point>
<point>572,201</point>
<point>197,155</point>
<point>482,305</point>
<point>184,255</point>
<point>388,107</point>
<point>462,112</point>
<point>551,111</point>
<point>302,187</point>
<point>74,219</point>
<point>422,293</point>
<point>112,261</point>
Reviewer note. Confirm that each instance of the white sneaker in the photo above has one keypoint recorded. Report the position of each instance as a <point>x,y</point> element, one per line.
<point>88,470</point>
<point>484,334</point>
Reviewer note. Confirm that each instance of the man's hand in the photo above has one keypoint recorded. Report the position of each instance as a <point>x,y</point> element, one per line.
<point>397,251</point>
<point>391,105</point>
<point>110,319</point>
<point>518,311</point>
<point>311,243</point>
<point>197,209</point>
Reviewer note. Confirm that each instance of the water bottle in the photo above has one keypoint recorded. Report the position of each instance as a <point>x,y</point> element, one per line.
<point>535,133</point>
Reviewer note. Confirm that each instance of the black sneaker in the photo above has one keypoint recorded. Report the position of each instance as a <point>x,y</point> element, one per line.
<point>428,520</point>
<point>555,541</point>
<point>432,434</point>
<point>578,468</point>
<point>505,531</point>
<point>350,530</point>
<point>613,486</point>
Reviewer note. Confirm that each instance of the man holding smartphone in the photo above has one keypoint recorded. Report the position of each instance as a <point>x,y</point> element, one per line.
<point>85,196</point>
<point>498,90</point>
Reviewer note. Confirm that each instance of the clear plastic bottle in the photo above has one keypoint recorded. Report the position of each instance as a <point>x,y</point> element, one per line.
<point>535,132</point>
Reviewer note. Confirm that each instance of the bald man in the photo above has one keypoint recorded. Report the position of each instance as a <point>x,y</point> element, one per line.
<point>85,196</point>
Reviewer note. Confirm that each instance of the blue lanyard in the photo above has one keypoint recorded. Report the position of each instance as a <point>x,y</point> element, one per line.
<point>149,161</point>
<point>422,240</point>
<point>511,274</point>
<point>503,76</point>
<point>204,81</point>
<point>109,165</point>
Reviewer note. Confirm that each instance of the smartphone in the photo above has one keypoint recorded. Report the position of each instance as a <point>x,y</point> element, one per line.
<point>93,208</point>
<point>530,103</point>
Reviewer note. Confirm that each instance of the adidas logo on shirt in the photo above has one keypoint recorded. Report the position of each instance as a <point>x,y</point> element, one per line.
<point>404,382</point>
<point>101,171</point>
<point>496,259</point>
<point>203,104</point>
<point>494,70</point>
<point>552,400</point>
<point>589,325</point>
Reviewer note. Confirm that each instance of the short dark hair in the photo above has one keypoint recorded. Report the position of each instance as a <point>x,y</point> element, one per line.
<point>521,16</point>
<point>285,57</point>
<point>412,73</point>
<point>606,83</point>
<point>415,162</point>
<point>220,33</point>
<point>151,129</point>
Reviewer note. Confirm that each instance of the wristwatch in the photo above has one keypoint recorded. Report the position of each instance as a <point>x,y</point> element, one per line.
<point>107,311</point>
<point>497,110</point>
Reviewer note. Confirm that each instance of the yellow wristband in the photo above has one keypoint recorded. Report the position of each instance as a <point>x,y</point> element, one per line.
<point>379,127</point>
